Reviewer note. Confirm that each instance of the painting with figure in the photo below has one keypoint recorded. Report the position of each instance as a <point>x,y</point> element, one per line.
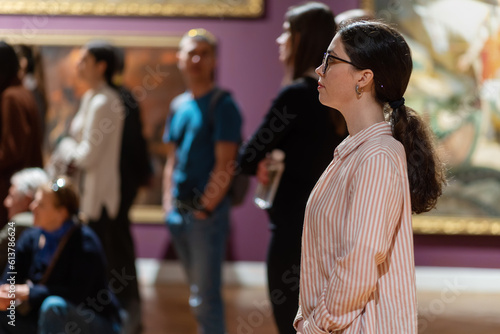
<point>153,78</point>
<point>455,85</point>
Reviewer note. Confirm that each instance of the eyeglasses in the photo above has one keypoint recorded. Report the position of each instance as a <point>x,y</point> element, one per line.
<point>326,61</point>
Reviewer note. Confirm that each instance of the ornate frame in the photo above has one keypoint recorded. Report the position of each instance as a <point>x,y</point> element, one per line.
<point>171,8</point>
<point>77,37</point>
<point>449,225</point>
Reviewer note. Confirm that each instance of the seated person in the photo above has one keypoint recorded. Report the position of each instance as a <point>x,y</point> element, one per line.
<point>60,281</point>
<point>21,193</point>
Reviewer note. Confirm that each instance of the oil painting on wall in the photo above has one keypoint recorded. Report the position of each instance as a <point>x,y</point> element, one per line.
<point>456,86</point>
<point>150,73</point>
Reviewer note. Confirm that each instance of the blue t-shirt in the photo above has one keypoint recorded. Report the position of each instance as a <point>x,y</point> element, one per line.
<point>190,129</point>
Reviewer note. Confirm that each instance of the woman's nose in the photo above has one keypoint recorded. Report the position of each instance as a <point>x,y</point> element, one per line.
<point>319,70</point>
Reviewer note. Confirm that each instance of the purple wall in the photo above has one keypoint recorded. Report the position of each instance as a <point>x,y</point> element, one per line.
<point>248,66</point>
<point>457,251</point>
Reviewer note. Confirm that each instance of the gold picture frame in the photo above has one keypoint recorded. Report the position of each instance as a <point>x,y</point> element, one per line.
<point>438,76</point>
<point>170,8</point>
<point>150,73</point>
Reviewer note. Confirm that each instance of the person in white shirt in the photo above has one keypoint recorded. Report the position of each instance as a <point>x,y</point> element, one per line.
<point>91,155</point>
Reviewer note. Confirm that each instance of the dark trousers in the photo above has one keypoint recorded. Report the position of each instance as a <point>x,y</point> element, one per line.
<point>118,246</point>
<point>283,273</point>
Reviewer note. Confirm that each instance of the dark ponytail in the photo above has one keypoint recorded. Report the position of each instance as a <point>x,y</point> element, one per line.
<point>103,51</point>
<point>425,172</point>
<point>380,48</point>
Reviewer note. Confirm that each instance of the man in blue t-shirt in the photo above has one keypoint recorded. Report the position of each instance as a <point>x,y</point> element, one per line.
<point>202,137</point>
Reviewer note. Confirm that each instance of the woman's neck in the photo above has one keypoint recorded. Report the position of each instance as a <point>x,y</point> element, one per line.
<point>96,84</point>
<point>363,115</point>
<point>200,89</point>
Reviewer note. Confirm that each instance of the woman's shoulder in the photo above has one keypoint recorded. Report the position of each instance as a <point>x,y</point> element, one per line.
<point>106,97</point>
<point>90,240</point>
<point>16,92</point>
<point>28,237</point>
<point>384,145</point>
<point>300,86</point>
<point>108,93</point>
<point>302,94</point>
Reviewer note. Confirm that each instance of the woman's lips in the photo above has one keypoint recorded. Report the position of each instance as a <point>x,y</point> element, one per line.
<point>320,85</point>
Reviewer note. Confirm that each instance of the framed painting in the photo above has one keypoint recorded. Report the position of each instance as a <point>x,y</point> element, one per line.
<point>150,72</point>
<point>455,86</point>
<point>172,8</point>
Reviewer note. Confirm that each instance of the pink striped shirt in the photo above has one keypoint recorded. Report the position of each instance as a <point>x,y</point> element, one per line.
<point>357,267</point>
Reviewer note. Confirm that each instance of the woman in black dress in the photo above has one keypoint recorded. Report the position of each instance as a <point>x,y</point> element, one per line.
<point>308,132</point>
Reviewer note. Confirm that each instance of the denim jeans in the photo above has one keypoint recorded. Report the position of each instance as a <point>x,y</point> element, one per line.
<point>200,245</point>
<point>58,316</point>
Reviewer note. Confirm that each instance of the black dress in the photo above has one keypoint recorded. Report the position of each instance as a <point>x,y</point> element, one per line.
<point>308,132</point>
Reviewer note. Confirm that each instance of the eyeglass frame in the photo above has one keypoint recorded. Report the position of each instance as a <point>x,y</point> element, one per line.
<point>57,184</point>
<point>327,56</point>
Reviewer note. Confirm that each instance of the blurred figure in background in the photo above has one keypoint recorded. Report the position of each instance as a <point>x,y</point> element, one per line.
<point>308,133</point>
<point>104,136</point>
<point>32,75</point>
<point>60,284</point>
<point>135,172</point>
<point>24,184</point>
<point>20,129</point>
<point>202,137</point>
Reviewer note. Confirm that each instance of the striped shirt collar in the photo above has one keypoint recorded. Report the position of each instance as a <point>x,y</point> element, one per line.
<point>351,143</point>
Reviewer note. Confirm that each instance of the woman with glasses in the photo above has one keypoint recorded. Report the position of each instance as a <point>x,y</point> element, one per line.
<point>358,270</point>
<point>56,282</point>
<point>308,133</point>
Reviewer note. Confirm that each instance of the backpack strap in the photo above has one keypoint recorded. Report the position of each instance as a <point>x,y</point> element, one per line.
<point>25,307</point>
<point>217,96</point>
<point>57,254</point>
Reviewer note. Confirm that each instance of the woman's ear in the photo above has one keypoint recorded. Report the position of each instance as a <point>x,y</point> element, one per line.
<point>365,80</point>
<point>101,65</point>
<point>63,213</point>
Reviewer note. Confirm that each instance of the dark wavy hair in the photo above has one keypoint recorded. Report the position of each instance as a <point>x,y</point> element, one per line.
<point>314,24</point>
<point>9,66</point>
<point>103,51</point>
<point>382,49</point>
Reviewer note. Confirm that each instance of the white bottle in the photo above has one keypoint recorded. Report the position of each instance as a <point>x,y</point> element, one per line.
<point>264,194</point>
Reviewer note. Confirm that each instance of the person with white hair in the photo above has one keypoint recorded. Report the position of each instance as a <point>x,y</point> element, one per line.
<point>21,193</point>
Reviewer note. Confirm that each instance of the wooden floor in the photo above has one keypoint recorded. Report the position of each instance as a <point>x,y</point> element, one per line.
<point>166,311</point>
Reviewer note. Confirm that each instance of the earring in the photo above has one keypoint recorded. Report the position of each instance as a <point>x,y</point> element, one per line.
<point>358,91</point>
